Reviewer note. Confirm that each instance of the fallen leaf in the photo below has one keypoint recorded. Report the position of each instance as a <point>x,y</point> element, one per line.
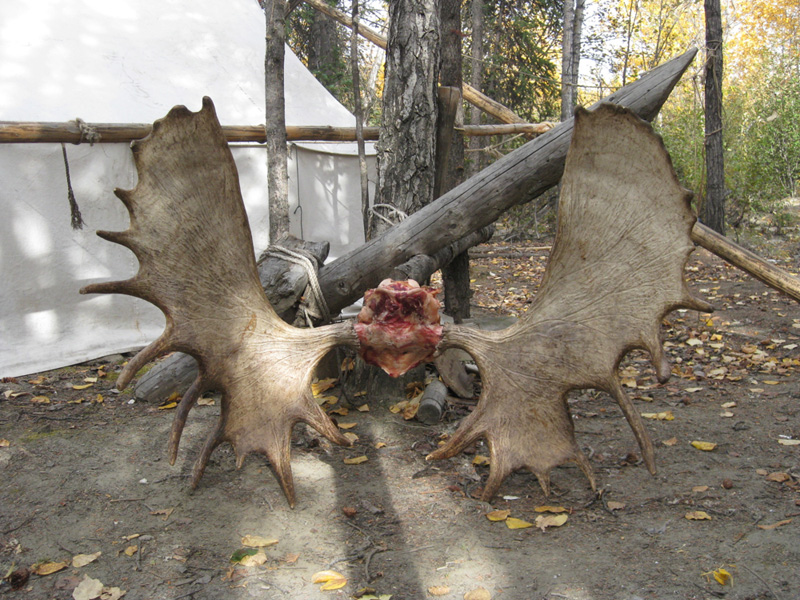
<point>704,446</point>
<point>81,560</point>
<point>340,410</point>
<point>439,590</point>
<point>789,442</point>
<point>545,521</point>
<point>206,402</point>
<point>349,511</point>
<point>242,553</point>
<point>82,386</point>
<point>662,416</point>
<point>88,589</point>
<point>694,342</point>
<point>48,568</point>
<point>4,443</point>
<point>480,459</point>
<point>612,505</point>
<point>363,408</point>
<point>691,390</point>
<point>775,525</point>
<point>698,489</point>
<point>130,537</point>
<point>322,385</point>
<point>331,580</point>
<point>728,404</point>
<point>380,445</point>
<point>257,541</point>
<point>479,593</point>
<point>130,550</point>
<point>351,436</point>
<point>356,460</point>
<point>168,406</point>
<point>550,509</point>
<point>698,515</point>
<point>254,560</point>
<point>90,379</point>
<point>772,382</point>
<point>726,414</point>
<point>165,512</point>
<point>40,400</point>
<point>112,593</point>
<point>291,558</point>
<point>722,576</point>
<point>498,515</point>
<point>347,425</point>
<point>778,477</point>
<point>326,400</point>
<point>670,441</point>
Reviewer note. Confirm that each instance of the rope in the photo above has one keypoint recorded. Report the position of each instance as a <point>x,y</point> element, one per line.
<point>395,214</point>
<point>76,219</point>
<point>88,133</point>
<point>314,304</point>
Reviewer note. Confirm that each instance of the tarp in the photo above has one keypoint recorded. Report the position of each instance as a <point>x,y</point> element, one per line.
<point>123,61</point>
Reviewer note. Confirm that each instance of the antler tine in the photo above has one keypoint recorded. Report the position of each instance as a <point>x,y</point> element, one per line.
<point>181,412</point>
<point>637,425</point>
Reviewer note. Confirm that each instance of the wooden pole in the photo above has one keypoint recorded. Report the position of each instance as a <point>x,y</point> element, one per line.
<point>747,261</point>
<point>71,132</point>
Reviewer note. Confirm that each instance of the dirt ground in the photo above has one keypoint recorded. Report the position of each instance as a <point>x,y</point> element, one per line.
<point>85,471</point>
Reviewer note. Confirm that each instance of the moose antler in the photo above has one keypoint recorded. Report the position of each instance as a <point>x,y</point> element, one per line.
<point>189,230</point>
<point>615,270</point>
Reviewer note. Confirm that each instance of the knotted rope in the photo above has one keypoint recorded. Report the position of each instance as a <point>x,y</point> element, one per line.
<point>313,304</point>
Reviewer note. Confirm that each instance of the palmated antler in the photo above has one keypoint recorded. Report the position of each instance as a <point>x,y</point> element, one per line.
<point>615,271</point>
<point>189,230</point>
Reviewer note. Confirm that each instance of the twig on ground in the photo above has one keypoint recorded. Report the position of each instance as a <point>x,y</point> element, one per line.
<point>367,560</point>
<point>25,522</point>
<point>761,579</point>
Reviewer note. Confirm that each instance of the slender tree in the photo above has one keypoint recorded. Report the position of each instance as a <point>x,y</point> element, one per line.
<point>571,55</point>
<point>713,208</point>
<point>275,121</point>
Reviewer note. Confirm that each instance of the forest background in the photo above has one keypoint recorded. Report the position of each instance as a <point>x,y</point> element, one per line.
<point>513,53</point>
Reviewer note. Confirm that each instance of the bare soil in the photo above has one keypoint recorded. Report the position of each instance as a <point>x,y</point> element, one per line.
<point>85,471</point>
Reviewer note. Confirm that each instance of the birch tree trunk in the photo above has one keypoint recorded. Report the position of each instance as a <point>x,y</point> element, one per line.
<point>275,121</point>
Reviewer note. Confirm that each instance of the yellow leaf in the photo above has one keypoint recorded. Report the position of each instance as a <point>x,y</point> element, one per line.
<point>341,410</point>
<point>347,425</point>
<point>348,364</point>
<point>380,445</point>
<point>81,560</point>
<point>439,590</point>
<point>133,536</point>
<point>4,443</point>
<point>498,515</point>
<point>168,406</point>
<point>722,576</point>
<point>545,521</point>
<point>728,404</point>
<point>90,379</point>
<point>254,560</point>
<point>257,541</point>
<point>363,408</point>
<point>775,525</point>
<point>700,489</point>
<point>331,580</point>
<point>351,436</point>
<point>99,399</point>
<point>698,515</point>
<point>356,460</point>
<point>670,441</point>
<point>550,509</point>
<point>322,385</point>
<point>783,442</point>
<point>359,394</point>
<point>326,400</point>
<point>694,342</point>
<point>662,416</point>
<point>49,568</point>
<point>82,386</point>
<point>205,402</point>
<point>612,505</point>
<point>40,400</point>
<point>704,446</point>
<point>778,477</point>
<point>480,459</point>
<point>514,523</point>
<point>478,594</point>
<point>131,550</point>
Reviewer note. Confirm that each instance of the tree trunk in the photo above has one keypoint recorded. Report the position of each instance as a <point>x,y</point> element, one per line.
<point>455,275</point>
<point>567,38</point>
<point>476,80</point>
<point>407,145</point>
<point>275,121</point>
<point>713,208</point>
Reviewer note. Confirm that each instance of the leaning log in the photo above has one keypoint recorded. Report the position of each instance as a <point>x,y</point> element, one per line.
<point>514,179</point>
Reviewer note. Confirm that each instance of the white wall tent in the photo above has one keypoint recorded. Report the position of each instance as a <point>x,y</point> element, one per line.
<point>130,61</point>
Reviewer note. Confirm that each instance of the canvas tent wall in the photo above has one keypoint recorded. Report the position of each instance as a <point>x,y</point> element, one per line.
<point>117,61</point>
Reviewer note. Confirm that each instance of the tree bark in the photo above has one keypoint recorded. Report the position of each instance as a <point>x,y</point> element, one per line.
<point>407,144</point>
<point>476,81</point>
<point>455,275</point>
<point>358,112</point>
<point>275,121</point>
<point>571,55</point>
<point>713,206</point>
